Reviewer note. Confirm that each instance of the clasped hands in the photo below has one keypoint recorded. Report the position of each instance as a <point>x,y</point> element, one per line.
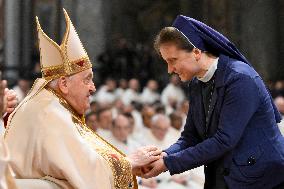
<point>147,162</point>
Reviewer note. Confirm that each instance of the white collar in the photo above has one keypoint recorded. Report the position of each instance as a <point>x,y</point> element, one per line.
<point>210,72</point>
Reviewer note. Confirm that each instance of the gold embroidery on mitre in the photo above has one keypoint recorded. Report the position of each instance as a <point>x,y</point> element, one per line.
<point>66,66</point>
<point>54,72</point>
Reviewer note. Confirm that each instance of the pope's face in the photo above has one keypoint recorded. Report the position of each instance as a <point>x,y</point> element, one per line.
<point>80,88</point>
<point>180,61</point>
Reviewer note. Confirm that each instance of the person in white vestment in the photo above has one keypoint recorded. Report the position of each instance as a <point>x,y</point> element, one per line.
<point>120,135</point>
<point>106,95</point>
<point>91,120</point>
<point>47,136</point>
<point>104,121</point>
<point>22,88</point>
<point>279,103</point>
<point>140,127</point>
<point>176,125</point>
<point>159,135</point>
<point>150,93</point>
<point>123,85</point>
<point>132,93</point>
<point>172,95</point>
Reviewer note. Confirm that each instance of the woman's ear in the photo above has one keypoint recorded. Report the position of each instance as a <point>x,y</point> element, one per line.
<point>197,54</point>
<point>62,85</point>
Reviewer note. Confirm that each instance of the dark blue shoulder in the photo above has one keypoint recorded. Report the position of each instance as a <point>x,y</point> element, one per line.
<point>240,68</point>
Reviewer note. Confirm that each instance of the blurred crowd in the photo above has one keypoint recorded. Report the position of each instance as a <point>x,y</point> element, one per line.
<point>277,92</point>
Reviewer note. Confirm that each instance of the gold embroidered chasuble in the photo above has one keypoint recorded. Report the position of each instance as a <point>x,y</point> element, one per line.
<point>48,140</point>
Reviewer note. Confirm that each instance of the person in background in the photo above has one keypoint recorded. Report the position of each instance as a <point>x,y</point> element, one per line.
<point>91,120</point>
<point>150,93</point>
<point>22,88</point>
<point>176,125</point>
<point>106,95</point>
<point>122,86</point>
<point>120,137</point>
<point>279,102</point>
<point>132,93</point>
<point>172,95</point>
<point>104,121</point>
<point>158,135</point>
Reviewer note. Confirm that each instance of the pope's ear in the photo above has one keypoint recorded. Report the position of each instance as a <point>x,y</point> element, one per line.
<point>62,84</point>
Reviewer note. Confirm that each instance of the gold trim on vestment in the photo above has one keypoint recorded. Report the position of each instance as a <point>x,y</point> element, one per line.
<point>121,168</point>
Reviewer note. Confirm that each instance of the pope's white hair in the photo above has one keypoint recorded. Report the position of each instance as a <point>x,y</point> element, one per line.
<point>53,83</point>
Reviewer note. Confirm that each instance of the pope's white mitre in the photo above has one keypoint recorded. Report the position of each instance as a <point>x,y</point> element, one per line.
<point>65,59</point>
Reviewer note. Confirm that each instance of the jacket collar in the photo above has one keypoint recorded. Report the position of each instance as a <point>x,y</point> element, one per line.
<point>220,72</point>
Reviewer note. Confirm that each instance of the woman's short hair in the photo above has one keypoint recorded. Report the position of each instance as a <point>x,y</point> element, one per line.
<point>172,35</point>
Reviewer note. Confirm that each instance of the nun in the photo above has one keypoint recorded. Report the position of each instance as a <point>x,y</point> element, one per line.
<point>231,125</point>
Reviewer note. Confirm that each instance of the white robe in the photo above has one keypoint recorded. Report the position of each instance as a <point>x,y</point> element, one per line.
<point>19,92</point>
<point>147,138</point>
<point>129,96</point>
<point>103,96</point>
<point>148,96</point>
<point>127,148</point>
<point>195,177</point>
<point>281,126</point>
<point>2,128</point>
<point>45,141</point>
<point>172,92</point>
<point>6,179</point>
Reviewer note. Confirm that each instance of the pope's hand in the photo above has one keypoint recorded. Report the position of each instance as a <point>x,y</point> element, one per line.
<point>142,157</point>
<point>155,168</point>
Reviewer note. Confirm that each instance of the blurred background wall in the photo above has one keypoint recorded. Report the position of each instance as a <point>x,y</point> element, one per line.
<point>114,29</point>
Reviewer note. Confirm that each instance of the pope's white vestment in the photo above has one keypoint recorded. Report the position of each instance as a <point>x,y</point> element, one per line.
<point>47,140</point>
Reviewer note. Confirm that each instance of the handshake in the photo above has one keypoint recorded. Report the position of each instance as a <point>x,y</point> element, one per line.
<point>147,162</point>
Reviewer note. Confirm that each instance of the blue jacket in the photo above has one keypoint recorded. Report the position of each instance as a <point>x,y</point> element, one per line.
<point>242,130</point>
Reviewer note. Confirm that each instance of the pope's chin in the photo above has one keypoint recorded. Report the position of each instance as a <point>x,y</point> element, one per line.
<point>86,107</point>
<point>82,110</point>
